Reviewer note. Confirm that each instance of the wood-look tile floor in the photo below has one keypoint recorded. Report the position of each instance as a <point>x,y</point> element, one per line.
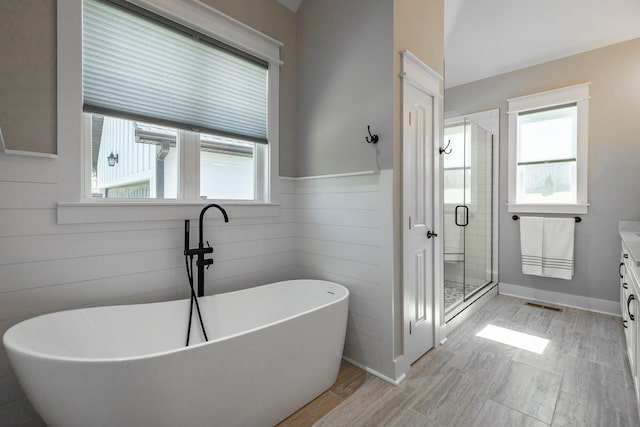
<point>581,379</point>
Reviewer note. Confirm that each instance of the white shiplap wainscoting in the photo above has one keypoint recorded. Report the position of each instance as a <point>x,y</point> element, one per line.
<point>48,267</point>
<point>344,234</point>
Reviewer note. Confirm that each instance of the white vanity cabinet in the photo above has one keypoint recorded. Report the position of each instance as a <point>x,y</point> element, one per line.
<point>630,295</point>
<point>629,288</point>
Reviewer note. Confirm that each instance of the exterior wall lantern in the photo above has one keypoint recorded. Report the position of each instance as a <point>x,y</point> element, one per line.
<point>113,159</point>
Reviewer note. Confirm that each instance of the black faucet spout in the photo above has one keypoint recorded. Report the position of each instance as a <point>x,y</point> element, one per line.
<point>201,263</point>
<point>211,205</point>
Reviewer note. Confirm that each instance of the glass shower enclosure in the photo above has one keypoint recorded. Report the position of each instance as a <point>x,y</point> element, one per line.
<point>468,213</point>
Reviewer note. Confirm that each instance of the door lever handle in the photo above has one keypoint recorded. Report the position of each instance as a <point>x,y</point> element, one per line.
<point>430,234</point>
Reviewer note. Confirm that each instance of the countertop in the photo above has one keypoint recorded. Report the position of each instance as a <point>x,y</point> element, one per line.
<point>630,234</point>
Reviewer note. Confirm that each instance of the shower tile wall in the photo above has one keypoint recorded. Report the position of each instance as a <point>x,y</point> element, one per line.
<point>474,240</point>
<point>489,120</point>
<point>478,232</point>
<point>453,245</point>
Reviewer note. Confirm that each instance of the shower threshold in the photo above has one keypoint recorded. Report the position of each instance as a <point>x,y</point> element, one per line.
<point>455,298</point>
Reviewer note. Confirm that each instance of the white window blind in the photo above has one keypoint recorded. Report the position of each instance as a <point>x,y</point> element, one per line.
<point>548,135</point>
<point>136,65</point>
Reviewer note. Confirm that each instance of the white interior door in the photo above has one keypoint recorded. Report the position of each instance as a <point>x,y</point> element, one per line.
<point>418,221</point>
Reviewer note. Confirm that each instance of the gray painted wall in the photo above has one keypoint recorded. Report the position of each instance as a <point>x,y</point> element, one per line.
<point>614,154</point>
<point>28,75</point>
<point>345,82</point>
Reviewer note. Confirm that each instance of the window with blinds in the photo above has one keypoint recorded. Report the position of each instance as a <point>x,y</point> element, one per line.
<point>154,91</point>
<point>548,151</point>
<point>547,154</point>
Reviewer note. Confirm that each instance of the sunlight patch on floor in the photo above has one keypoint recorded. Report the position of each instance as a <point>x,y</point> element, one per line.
<point>514,338</point>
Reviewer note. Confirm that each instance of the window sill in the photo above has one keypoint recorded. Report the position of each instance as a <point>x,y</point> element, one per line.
<point>95,212</point>
<point>573,209</point>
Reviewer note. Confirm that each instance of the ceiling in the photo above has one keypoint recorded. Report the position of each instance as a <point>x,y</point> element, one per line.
<point>491,37</point>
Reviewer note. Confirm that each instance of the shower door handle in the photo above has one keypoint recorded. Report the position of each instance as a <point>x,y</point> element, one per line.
<point>466,216</point>
<point>456,215</point>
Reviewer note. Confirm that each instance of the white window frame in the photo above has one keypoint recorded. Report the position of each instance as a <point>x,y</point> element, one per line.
<point>75,202</point>
<point>578,94</point>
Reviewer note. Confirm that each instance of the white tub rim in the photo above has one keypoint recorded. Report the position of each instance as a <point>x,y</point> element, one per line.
<point>14,346</point>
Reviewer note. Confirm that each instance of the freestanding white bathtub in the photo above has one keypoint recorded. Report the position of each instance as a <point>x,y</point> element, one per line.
<point>271,350</point>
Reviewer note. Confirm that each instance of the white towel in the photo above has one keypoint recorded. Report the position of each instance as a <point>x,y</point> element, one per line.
<point>547,245</point>
<point>531,228</point>
<point>557,247</point>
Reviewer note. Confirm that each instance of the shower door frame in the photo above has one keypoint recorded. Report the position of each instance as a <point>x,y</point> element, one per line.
<point>488,116</point>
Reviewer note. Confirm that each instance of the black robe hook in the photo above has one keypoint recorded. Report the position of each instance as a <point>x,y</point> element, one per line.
<point>444,150</point>
<point>374,138</point>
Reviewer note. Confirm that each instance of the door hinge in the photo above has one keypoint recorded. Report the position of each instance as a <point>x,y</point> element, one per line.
<point>409,223</point>
<point>409,118</point>
<point>409,327</point>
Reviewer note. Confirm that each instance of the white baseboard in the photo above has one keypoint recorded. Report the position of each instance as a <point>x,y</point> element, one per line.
<point>559,298</point>
<point>374,372</point>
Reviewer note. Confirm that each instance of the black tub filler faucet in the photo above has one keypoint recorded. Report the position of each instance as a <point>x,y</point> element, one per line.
<point>200,251</point>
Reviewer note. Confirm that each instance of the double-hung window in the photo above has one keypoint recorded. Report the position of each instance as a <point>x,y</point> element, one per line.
<point>171,111</point>
<point>548,147</point>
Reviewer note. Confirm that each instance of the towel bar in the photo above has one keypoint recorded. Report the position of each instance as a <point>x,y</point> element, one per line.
<point>516,217</point>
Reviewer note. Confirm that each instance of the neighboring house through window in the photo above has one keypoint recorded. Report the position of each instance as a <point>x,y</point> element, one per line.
<point>548,149</point>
